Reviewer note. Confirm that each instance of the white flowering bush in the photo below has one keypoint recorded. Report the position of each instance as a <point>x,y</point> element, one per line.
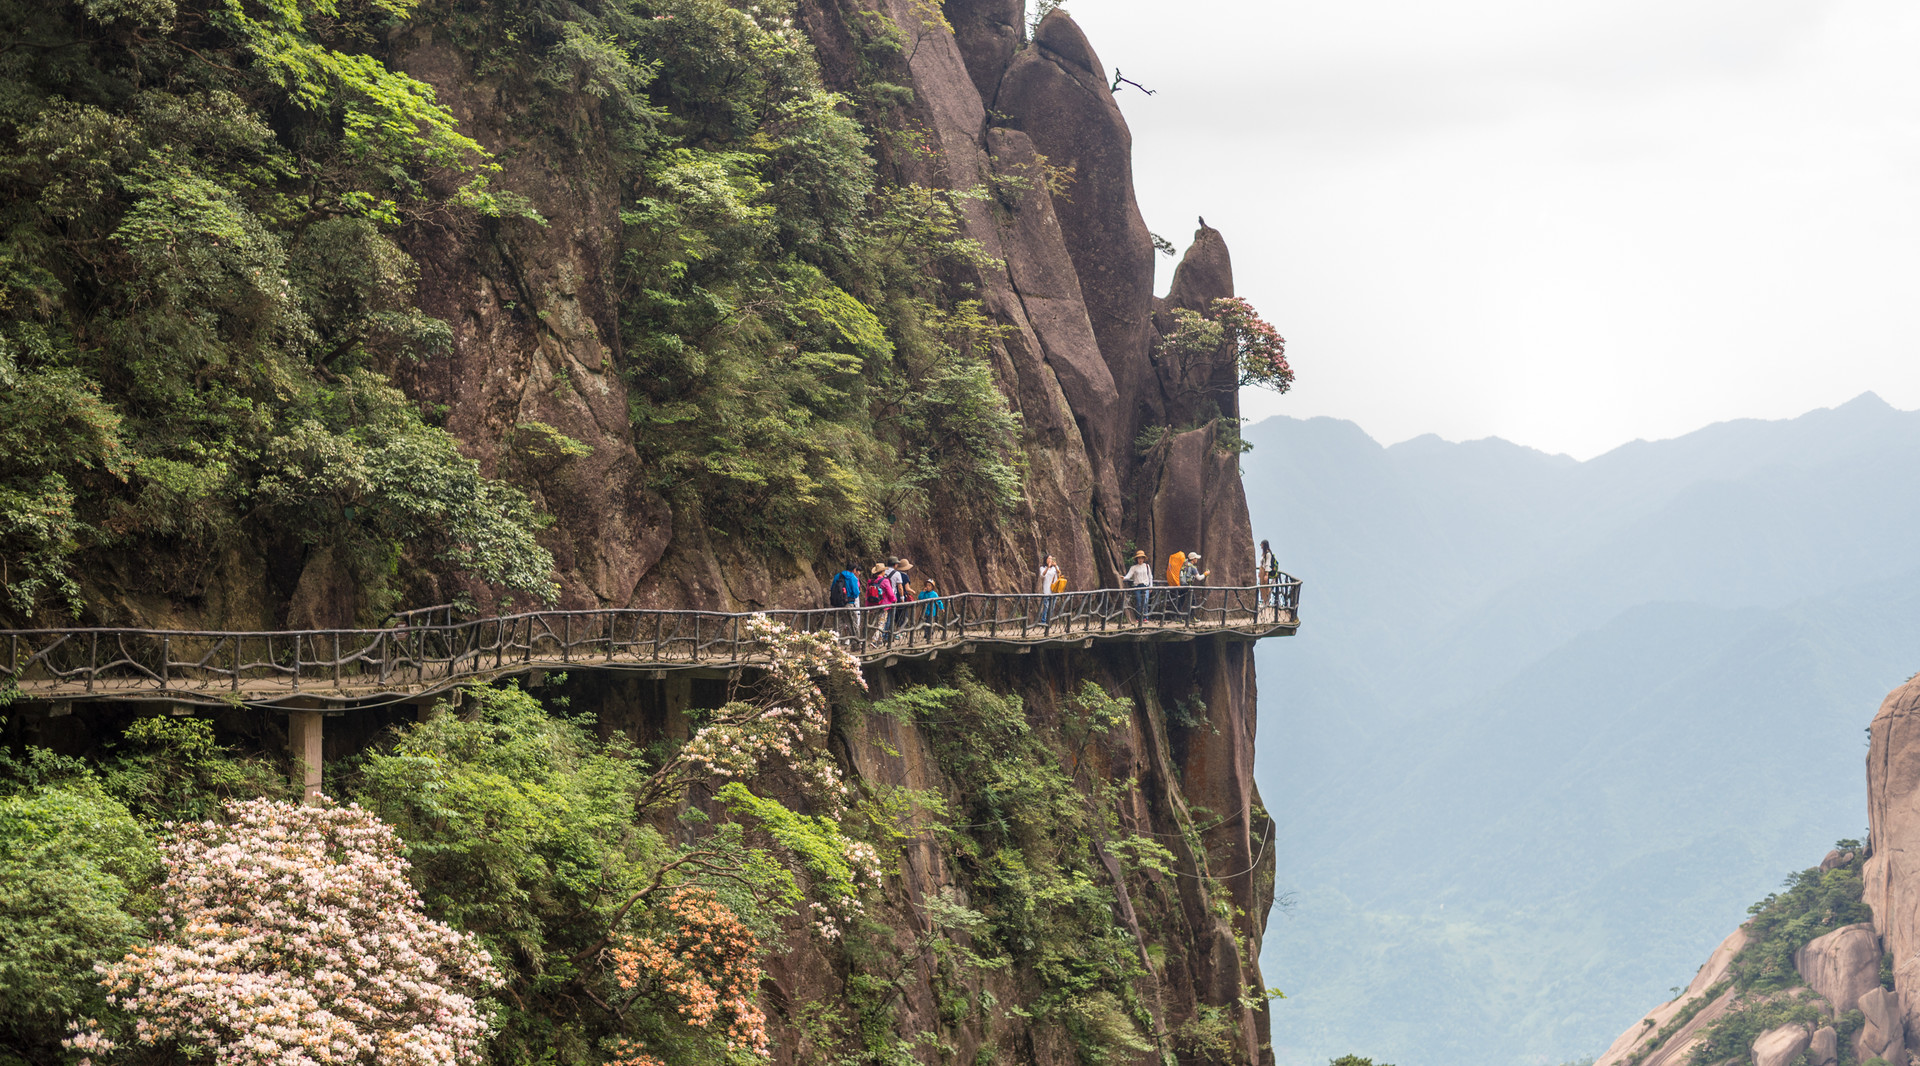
<point>290,936</point>
<point>786,726</point>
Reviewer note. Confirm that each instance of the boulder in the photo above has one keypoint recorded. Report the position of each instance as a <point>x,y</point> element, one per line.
<point>1841,965</point>
<point>1892,873</point>
<point>1777,1047</point>
<point>1835,859</point>
<point>1884,1034</point>
<point>1824,1048</point>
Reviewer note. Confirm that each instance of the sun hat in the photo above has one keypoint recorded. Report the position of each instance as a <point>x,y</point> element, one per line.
<point>1139,555</point>
<point>1192,556</point>
<point>904,564</point>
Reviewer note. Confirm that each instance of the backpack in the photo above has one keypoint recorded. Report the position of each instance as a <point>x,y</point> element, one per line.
<point>1175,563</point>
<point>845,589</point>
<point>1059,584</point>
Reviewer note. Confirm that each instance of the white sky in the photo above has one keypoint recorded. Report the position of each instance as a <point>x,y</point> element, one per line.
<point>1569,223</point>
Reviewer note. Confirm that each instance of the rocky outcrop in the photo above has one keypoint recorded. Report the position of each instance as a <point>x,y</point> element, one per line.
<point>1778,1047</point>
<point>988,33</point>
<point>1842,965</point>
<point>1893,818</point>
<point>1824,1048</point>
<point>1884,1034</point>
<point>1843,968</point>
<point>536,335</point>
<point>1056,93</point>
<point>1666,1044</point>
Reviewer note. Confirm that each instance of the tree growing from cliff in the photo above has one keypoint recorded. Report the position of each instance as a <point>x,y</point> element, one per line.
<point>1200,348</point>
<point>290,935</point>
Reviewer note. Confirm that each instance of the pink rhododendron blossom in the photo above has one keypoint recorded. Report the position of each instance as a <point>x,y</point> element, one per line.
<point>291,937</point>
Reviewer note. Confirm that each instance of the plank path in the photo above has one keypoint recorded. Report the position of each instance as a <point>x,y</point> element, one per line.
<point>422,655</point>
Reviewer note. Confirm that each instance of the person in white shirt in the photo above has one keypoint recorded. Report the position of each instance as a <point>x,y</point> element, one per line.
<point>1049,573</point>
<point>1140,579</point>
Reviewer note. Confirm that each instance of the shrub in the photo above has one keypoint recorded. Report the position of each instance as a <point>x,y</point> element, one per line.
<point>71,861</point>
<point>291,934</point>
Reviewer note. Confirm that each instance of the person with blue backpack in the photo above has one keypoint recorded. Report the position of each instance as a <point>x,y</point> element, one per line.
<point>844,592</point>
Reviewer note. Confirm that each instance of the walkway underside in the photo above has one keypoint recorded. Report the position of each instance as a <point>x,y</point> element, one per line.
<point>411,662</point>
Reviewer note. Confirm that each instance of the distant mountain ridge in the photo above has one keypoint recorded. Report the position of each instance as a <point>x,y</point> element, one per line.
<point>1549,722</point>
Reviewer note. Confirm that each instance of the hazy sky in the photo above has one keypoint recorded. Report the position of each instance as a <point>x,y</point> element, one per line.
<point>1567,223</point>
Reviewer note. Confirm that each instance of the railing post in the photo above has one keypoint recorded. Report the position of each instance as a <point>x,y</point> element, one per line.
<point>166,652</point>
<point>296,662</point>
<point>336,659</point>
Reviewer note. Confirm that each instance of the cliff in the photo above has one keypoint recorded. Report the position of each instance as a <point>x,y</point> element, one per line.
<point>1817,976</point>
<point>564,337</point>
<point>1068,280</point>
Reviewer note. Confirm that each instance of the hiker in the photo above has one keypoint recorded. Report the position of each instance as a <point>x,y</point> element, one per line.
<point>844,592</point>
<point>931,604</point>
<point>880,595</point>
<point>1192,581</point>
<point>902,592</point>
<point>1050,585</point>
<point>1267,576</point>
<point>1139,578</point>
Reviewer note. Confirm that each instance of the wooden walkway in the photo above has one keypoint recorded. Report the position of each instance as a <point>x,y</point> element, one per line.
<point>413,660</point>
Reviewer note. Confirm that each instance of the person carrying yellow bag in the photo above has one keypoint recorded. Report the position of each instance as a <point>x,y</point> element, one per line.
<point>1052,583</point>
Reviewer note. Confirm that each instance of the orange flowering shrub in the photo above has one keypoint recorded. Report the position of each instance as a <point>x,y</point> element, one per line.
<point>705,967</point>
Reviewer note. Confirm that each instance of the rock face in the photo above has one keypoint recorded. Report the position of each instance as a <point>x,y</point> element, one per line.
<point>1778,1047</point>
<point>1824,1048</point>
<point>1842,965</point>
<point>1893,819</point>
<point>1884,1035</point>
<point>1073,288</point>
<point>1673,1049</point>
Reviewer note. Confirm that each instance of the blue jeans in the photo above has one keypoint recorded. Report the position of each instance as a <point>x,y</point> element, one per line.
<point>1046,609</point>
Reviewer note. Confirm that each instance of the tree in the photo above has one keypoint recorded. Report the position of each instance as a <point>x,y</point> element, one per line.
<point>1230,328</point>
<point>290,935</point>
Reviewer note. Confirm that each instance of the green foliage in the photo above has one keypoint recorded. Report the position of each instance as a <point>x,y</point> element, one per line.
<point>799,370</point>
<point>168,769</point>
<point>1355,1060</point>
<point>1815,902</point>
<point>1043,900</point>
<point>815,841</point>
<point>521,829</point>
<point>71,861</point>
<point>526,830</point>
<point>200,289</point>
<point>1734,1033</point>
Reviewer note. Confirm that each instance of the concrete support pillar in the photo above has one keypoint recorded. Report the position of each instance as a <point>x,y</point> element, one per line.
<point>678,692</point>
<point>303,743</point>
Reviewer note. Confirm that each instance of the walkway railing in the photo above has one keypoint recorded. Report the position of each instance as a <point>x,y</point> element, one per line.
<point>418,659</point>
